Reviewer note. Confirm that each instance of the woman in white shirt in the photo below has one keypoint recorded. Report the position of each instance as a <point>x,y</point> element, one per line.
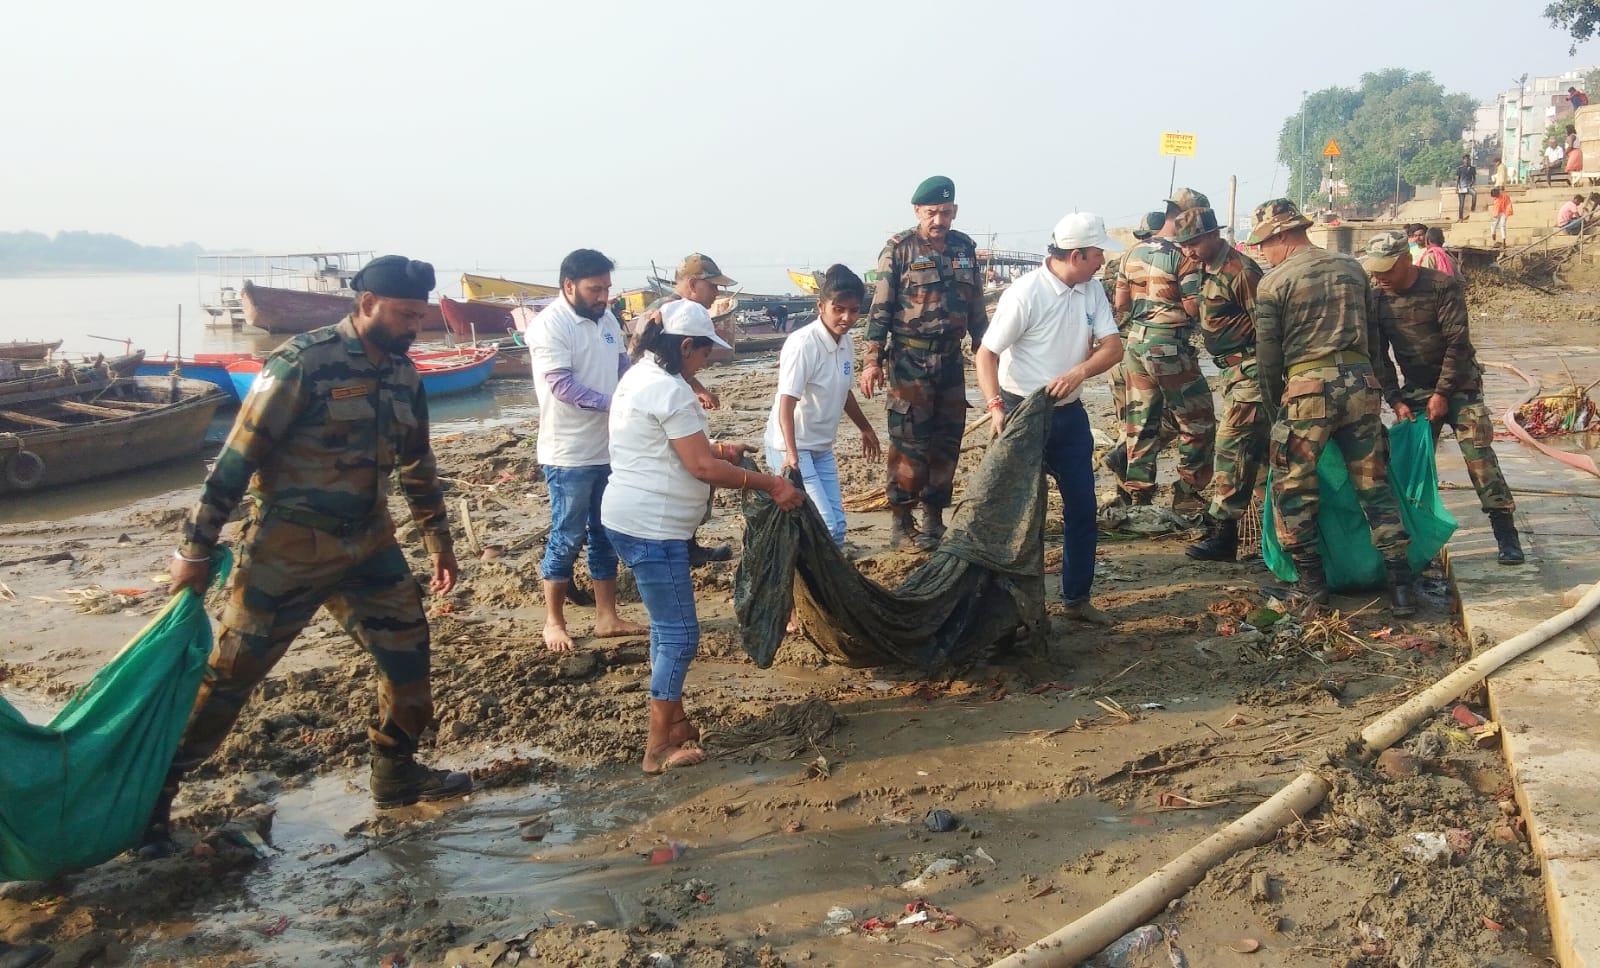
<point>662,466</point>
<point>815,371</point>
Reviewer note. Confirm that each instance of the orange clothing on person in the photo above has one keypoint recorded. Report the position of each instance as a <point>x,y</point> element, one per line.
<point>1502,205</point>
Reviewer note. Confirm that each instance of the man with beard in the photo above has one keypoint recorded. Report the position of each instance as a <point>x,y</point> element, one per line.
<point>335,414</point>
<point>578,355</point>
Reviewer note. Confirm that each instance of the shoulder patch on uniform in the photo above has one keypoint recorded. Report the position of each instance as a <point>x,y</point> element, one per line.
<point>345,393</point>
<point>902,235</point>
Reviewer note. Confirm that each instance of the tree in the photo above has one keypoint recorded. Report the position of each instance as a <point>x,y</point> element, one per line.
<point>1578,18</point>
<point>1396,120</point>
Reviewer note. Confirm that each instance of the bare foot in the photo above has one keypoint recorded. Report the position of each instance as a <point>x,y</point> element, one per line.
<point>682,732</point>
<point>556,638</point>
<point>617,627</point>
<point>668,758</point>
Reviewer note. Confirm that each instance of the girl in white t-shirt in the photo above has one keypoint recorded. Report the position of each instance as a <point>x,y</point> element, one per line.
<point>815,372</point>
<point>662,464</point>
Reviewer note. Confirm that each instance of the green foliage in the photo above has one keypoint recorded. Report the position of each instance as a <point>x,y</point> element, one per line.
<point>1394,119</point>
<point>1577,17</point>
<point>22,252</point>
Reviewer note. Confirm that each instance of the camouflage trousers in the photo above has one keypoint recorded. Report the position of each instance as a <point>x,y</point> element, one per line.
<point>1164,383</point>
<point>1474,427</point>
<point>927,406</point>
<point>1117,376</point>
<point>1337,403</point>
<point>1242,434</point>
<point>284,573</point>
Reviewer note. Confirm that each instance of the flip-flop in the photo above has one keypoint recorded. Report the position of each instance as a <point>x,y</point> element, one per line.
<point>682,756</point>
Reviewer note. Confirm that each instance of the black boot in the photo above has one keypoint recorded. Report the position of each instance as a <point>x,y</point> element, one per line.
<point>1221,542</point>
<point>156,841</point>
<point>24,955</point>
<point>932,528</point>
<point>1402,594</point>
<point>398,780</point>
<point>699,555</point>
<point>903,533</point>
<point>1116,460</point>
<point>1313,583</point>
<point>1505,535</point>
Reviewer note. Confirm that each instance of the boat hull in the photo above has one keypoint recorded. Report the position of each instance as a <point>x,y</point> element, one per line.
<point>28,350</point>
<point>105,448</point>
<point>288,311</point>
<point>209,367</point>
<point>443,373</point>
<point>491,287</point>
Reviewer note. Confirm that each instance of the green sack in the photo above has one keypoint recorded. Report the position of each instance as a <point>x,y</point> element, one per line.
<point>79,791</point>
<point>1344,539</point>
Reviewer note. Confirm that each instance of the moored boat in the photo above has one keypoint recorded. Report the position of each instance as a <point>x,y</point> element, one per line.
<point>484,320</point>
<point>28,349</point>
<point>444,372</point>
<point>210,367</point>
<point>287,311</point>
<point>99,428</point>
<point>488,288</point>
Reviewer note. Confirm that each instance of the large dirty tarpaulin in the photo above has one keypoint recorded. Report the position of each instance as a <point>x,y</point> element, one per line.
<point>78,791</point>
<point>1344,539</point>
<point>983,584</point>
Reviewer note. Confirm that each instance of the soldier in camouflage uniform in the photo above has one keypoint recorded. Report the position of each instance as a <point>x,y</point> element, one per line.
<point>1162,368</point>
<point>1422,314</point>
<point>1116,459</point>
<point>334,414</point>
<point>929,298</point>
<point>1316,374</point>
<point>1225,308</point>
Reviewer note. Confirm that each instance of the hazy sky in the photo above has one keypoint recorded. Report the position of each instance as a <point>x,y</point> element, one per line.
<point>502,135</point>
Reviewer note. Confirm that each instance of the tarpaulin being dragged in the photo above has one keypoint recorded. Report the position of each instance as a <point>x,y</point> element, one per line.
<point>972,595</point>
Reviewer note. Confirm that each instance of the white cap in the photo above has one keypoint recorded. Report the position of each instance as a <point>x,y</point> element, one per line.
<point>1083,230</point>
<point>685,317</point>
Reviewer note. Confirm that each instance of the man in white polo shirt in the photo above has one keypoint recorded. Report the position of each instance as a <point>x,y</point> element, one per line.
<point>577,352</point>
<point>1054,329</point>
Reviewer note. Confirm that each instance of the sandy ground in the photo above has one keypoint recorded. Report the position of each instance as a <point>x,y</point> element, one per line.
<point>1070,775</point>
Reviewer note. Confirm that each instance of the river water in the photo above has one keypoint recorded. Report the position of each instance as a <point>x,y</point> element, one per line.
<point>105,313</point>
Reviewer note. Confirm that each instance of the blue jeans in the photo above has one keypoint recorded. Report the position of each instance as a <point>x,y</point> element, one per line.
<point>1069,459</point>
<point>661,570</point>
<point>820,474</point>
<point>575,494</point>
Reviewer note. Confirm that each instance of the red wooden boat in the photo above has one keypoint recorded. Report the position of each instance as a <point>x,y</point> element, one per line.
<point>291,311</point>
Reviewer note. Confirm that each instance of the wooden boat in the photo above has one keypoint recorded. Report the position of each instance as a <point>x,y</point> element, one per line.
<point>444,372</point>
<point>485,320</point>
<point>489,288</point>
<point>210,367</point>
<point>288,311</point>
<point>100,428</point>
<point>806,282</point>
<point>68,371</point>
<point>28,350</point>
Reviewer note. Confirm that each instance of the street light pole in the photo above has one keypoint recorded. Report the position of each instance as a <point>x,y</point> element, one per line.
<point>1521,85</point>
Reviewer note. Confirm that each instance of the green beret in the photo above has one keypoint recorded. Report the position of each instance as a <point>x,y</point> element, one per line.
<point>395,277</point>
<point>934,191</point>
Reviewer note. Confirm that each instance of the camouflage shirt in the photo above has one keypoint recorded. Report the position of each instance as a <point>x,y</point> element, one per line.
<point>1427,327</point>
<point>1156,276</point>
<point>926,294</point>
<point>1313,304</point>
<point>321,431</point>
<point>1227,303</point>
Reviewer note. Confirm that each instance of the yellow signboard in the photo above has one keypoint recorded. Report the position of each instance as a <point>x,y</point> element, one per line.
<point>1332,150</point>
<point>1173,143</point>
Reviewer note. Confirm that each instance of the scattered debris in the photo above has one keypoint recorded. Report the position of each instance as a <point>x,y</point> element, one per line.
<point>1429,849</point>
<point>667,854</point>
<point>940,821</point>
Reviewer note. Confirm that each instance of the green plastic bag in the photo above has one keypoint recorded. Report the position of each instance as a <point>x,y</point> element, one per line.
<point>79,791</point>
<point>1343,537</point>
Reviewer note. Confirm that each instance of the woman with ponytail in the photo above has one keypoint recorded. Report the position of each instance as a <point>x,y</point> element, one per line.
<point>662,466</point>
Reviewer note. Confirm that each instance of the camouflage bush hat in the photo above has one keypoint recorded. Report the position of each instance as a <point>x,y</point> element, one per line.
<point>1384,250</point>
<point>697,266</point>
<point>1149,225</point>
<point>1187,198</point>
<point>1274,217</point>
<point>1194,223</point>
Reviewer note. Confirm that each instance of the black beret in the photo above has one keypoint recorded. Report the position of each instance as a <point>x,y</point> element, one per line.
<point>395,277</point>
